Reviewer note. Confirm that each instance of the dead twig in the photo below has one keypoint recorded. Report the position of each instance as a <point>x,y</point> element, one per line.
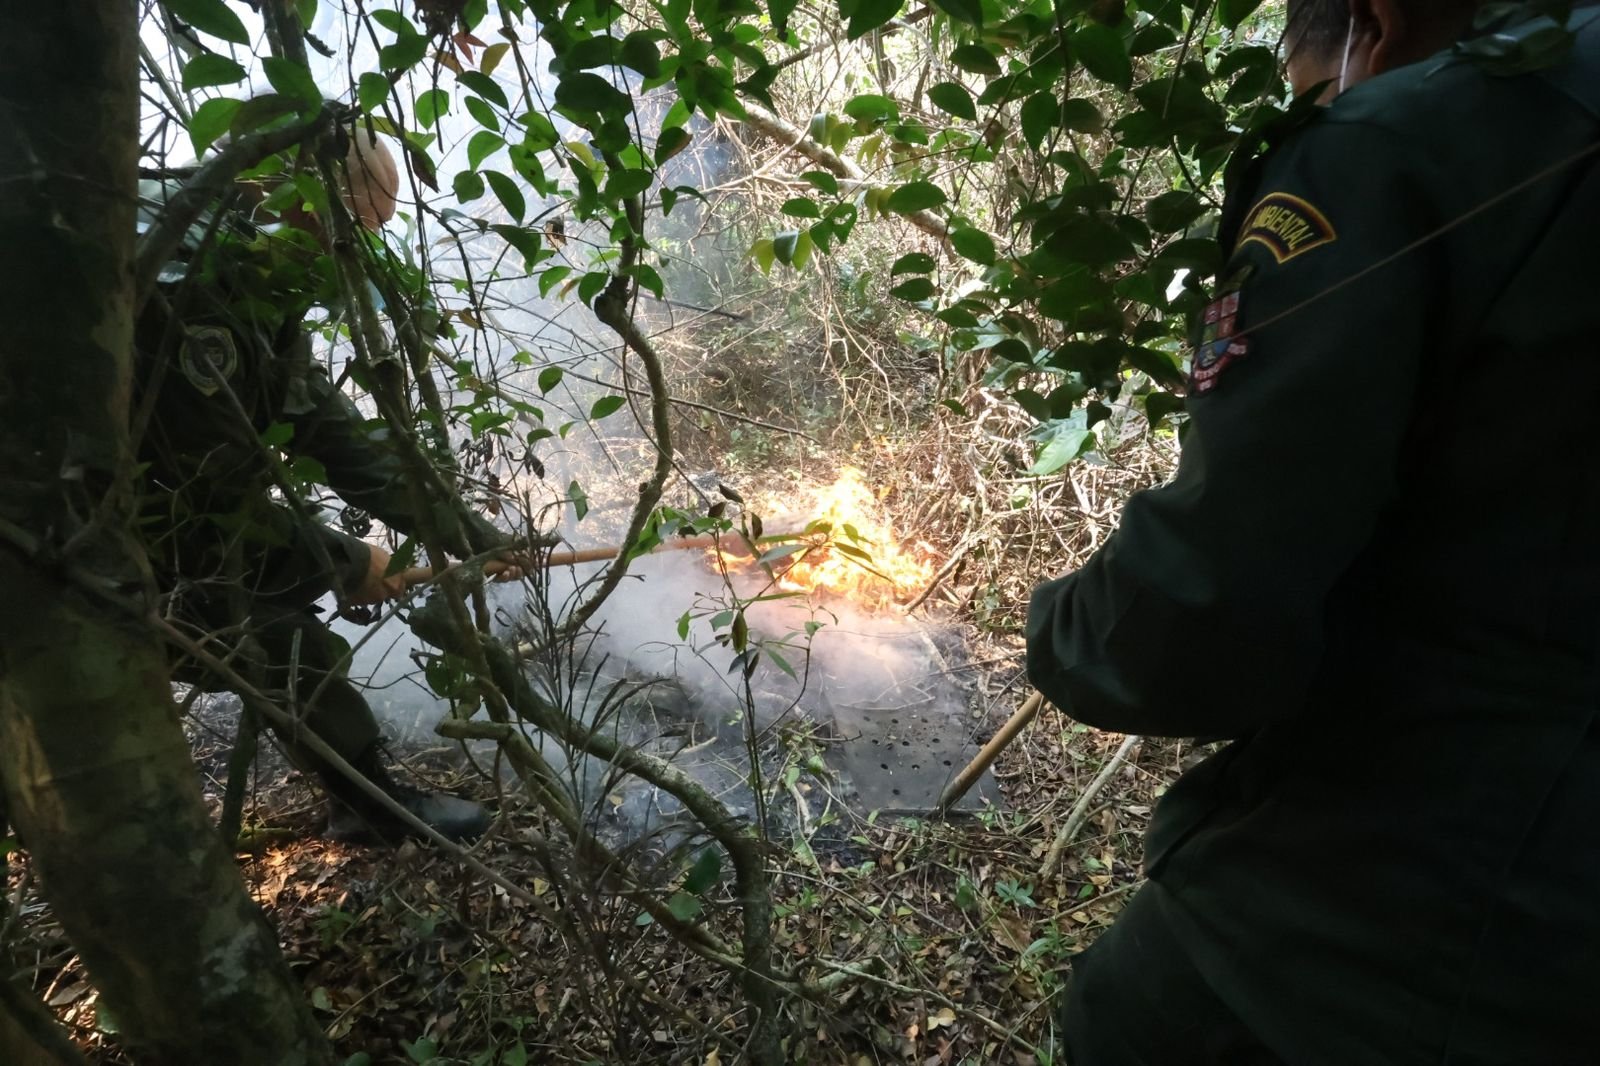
<point>1080,809</point>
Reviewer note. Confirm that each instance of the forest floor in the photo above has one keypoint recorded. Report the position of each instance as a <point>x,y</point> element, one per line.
<point>406,956</point>
<point>957,942</point>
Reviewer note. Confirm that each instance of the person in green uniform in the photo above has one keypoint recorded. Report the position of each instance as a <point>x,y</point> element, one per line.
<point>1377,574</point>
<point>241,556</point>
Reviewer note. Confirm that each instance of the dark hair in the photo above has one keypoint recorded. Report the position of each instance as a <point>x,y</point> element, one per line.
<point>1322,25</point>
<point>1316,26</point>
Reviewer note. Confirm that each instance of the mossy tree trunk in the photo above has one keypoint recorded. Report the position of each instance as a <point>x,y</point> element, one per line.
<point>97,778</point>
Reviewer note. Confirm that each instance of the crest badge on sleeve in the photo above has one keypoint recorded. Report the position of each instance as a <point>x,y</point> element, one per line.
<point>208,357</point>
<point>1219,343</point>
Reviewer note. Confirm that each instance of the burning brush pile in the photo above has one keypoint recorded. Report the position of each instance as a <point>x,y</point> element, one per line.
<point>855,705</point>
<point>846,550</point>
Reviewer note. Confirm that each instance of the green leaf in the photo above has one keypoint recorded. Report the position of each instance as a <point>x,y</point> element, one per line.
<point>1040,113</point>
<point>792,248</point>
<point>1233,12</point>
<point>671,142</point>
<point>583,91</point>
<point>553,277</point>
<point>508,193</point>
<point>915,196</point>
<point>372,91</point>
<point>803,247</point>
<point>968,11</point>
<point>260,110</point>
<point>430,105</point>
<point>976,59</point>
<point>1158,405</point>
<point>394,22</point>
<point>1064,446</point>
<point>1069,294</point>
<point>597,51</point>
<point>869,107</point>
<point>211,120</point>
<point>210,16</point>
<point>1082,116</point>
<point>912,290</point>
<point>800,207</point>
<point>822,181</point>
<point>468,186</point>
<point>292,80</point>
<point>639,51</point>
<point>868,15</point>
<point>782,663</point>
<point>580,500</point>
<point>604,406</point>
<point>683,906</point>
<point>1158,365</point>
<point>208,69</point>
<point>484,86</point>
<point>1104,54</point>
<point>492,57</point>
<point>649,279</point>
<point>975,245</point>
<point>623,184</point>
<point>953,99</point>
<point>308,470</point>
<point>779,11</point>
<point>549,378</point>
<point>912,263</point>
<point>1037,406</point>
<point>404,53</point>
<point>764,251</point>
<point>277,434</point>
<point>482,145</point>
<point>708,866</point>
<point>423,1050</point>
<point>1173,211</point>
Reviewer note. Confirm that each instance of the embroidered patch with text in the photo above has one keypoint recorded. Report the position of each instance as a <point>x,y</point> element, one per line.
<point>208,357</point>
<point>1287,226</point>
<point>1219,344</point>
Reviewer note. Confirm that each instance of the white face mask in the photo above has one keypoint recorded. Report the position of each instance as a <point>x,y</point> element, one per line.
<point>1344,64</point>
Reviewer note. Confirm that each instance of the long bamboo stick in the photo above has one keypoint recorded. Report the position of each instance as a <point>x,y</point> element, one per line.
<point>970,773</point>
<point>416,575</point>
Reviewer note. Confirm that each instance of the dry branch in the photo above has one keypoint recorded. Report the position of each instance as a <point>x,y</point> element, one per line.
<point>1080,809</point>
<point>796,139</point>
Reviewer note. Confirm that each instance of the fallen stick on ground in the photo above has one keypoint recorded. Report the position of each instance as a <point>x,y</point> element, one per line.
<point>1080,809</point>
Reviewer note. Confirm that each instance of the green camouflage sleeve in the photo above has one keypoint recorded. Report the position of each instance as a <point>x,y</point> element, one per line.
<point>296,568</point>
<point>365,471</point>
<point>1203,614</point>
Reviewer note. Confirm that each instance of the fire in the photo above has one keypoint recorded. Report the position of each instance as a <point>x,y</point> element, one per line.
<point>847,548</point>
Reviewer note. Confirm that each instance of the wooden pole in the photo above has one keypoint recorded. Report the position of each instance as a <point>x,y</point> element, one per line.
<point>970,773</point>
<point>417,575</point>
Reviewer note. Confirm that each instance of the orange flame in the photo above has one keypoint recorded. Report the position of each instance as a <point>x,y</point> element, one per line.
<point>848,549</point>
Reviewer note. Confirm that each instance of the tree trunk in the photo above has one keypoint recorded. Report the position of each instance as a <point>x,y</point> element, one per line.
<point>96,775</point>
<point>29,1034</point>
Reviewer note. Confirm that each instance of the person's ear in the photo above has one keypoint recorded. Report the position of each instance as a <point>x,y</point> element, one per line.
<point>1382,35</point>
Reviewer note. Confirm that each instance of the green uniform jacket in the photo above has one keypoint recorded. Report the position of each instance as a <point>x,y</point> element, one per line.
<point>223,358</point>
<point>1378,572</point>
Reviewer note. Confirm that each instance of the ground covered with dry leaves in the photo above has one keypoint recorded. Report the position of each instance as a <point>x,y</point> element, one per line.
<point>408,957</point>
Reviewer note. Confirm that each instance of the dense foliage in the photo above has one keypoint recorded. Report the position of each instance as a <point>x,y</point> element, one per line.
<point>1065,158</point>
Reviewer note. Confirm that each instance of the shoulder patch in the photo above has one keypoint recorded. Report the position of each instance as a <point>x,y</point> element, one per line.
<point>1287,226</point>
<point>1220,343</point>
<point>208,357</point>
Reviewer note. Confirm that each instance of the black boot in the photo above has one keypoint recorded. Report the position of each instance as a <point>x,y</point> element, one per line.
<point>357,818</point>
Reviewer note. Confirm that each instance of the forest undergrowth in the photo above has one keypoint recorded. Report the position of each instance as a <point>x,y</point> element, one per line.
<point>407,956</point>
